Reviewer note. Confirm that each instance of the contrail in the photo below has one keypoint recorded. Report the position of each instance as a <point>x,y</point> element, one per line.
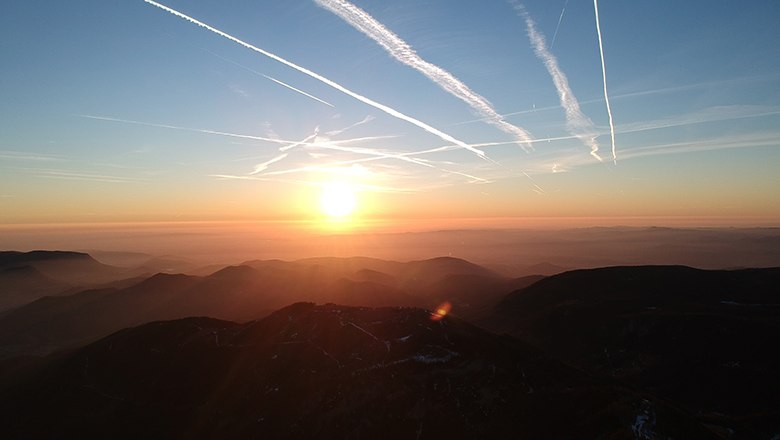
<point>558,26</point>
<point>303,142</point>
<point>286,144</point>
<point>403,52</point>
<point>576,122</point>
<point>365,120</point>
<point>377,155</point>
<point>604,77</point>
<point>297,90</point>
<point>390,111</point>
<point>269,78</point>
<point>197,130</point>
<point>262,166</point>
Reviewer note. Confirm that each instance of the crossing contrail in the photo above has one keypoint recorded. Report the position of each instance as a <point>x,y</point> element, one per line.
<point>303,142</point>
<point>390,111</point>
<point>262,166</point>
<point>604,77</point>
<point>286,144</point>
<point>576,122</point>
<point>403,52</point>
<point>365,120</point>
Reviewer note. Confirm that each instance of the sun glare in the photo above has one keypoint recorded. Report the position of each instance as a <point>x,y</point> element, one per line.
<point>338,199</point>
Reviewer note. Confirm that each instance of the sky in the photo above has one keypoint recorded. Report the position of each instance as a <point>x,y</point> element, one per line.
<point>117,111</point>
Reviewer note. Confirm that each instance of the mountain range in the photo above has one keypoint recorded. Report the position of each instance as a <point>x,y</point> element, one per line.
<point>617,352</point>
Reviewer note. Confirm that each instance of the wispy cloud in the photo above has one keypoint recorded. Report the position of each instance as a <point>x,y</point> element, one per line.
<point>604,78</point>
<point>403,52</point>
<point>752,140</point>
<point>576,122</point>
<point>238,91</point>
<point>390,111</point>
<point>27,156</point>
<point>70,175</point>
<point>705,115</point>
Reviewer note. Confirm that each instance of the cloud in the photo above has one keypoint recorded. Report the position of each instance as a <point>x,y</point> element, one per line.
<point>403,52</point>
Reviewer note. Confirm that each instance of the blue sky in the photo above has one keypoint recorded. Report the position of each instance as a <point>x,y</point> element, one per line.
<point>93,90</point>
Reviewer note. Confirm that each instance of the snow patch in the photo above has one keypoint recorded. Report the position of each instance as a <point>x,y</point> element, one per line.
<point>644,423</point>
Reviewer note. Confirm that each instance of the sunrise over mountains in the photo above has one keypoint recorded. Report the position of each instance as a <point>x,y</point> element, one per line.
<point>413,219</point>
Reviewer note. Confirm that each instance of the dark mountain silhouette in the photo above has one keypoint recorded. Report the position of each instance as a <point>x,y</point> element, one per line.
<point>519,270</point>
<point>24,284</point>
<point>64,266</point>
<point>706,340</point>
<point>328,371</point>
<point>240,293</point>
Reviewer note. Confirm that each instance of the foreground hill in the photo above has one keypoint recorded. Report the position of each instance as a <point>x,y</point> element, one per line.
<point>328,371</point>
<point>240,293</point>
<point>706,340</point>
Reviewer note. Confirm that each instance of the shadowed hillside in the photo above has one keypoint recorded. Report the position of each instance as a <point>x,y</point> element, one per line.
<point>328,371</point>
<point>704,339</point>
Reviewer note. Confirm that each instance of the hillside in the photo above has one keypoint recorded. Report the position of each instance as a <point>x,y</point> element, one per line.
<point>327,371</point>
<point>703,339</point>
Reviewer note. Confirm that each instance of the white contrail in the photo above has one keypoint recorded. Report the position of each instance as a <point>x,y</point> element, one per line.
<point>263,166</point>
<point>365,120</point>
<point>403,52</point>
<point>390,111</point>
<point>604,77</point>
<point>197,130</point>
<point>576,122</point>
<point>281,83</point>
<point>558,26</point>
<point>303,142</point>
<point>287,144</point>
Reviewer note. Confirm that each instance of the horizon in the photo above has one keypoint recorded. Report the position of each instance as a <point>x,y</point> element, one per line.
<point>230,243</point>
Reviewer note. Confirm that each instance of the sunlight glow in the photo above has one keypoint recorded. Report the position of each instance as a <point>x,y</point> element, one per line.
<point>338,199</point>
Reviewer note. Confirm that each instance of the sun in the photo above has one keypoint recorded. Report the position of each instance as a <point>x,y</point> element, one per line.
<point>338,199</point>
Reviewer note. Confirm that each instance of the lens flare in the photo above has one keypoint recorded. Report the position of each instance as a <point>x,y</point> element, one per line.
<point>441,311</point>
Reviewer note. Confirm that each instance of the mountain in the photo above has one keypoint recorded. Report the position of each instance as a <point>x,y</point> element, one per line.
<point>24,284</point>
<point>515,270</point>
<point>244,292</point>
<point>74,268</point>
<point>704,339</point>
<point>326,371</point>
